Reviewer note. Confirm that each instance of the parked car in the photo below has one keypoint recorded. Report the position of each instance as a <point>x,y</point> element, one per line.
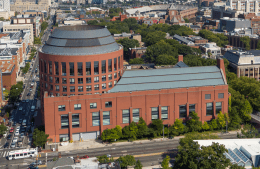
<point>20,108</point>
<point>15,139</point>
<point>28,94</point>
<point>12,130</point>
<point>9,137</point>
<point>22,135</point>
<point>14,124</point>
<point>6,145</point>
<point>28,99</point>
<point>39,162</point>
<point>18,127</point>
<point>16,133</point>
<point>12,145</point>
<point>20,143</point>
<point>30,90</point>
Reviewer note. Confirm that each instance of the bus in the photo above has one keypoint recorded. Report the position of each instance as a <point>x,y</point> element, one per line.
<point>25,153</point>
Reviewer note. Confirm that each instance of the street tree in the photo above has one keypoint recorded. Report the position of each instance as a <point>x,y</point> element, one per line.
<point>194,124</point>
<point>157,126</point>
<point>39,138</point>
<point>205,126</point>
<point>125,161</point>
<point>138,165</point>
<point>142,128</point>
<point>221,120</point>
<point>165,162</point>
<point>3,129</point>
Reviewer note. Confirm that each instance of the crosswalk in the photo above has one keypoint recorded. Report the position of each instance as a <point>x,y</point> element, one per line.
<point>3,153</point>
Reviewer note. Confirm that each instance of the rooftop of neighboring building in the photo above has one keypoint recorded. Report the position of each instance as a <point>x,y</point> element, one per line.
<point>239,57</point>
<point>8,51</point>
<point>7,67</point>
<point>22,16</point>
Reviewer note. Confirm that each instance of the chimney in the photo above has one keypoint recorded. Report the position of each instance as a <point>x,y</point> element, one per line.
<point>180,58</point>
<point>221,65</point>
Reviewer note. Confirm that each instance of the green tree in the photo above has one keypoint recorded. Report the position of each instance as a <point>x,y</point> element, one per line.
<point>246,41</point>
<point>205,126</point>
<point>235,166</point>
<point>142,128</point>
<point>194,124</point>
<point>130,132</point>
<point>26,68</point>
<point>154,37</point>
<point>189,137</point>
<point>249,131</point>
<point>165,59</point>
<point>136,61</point>
<point>127,160</point>
<point>138,165</point>
<point>92,22</point>
<point>3,129</point>
<point>246,111</point>
<point>165,162</point>
<point>128,43</point>
<point>178,128</point>
<point>221,120</point>
<point>186,20</point>
<point>157,126</point>
<point>213,124</point>
<point>258,45</point>
<point>104,159</point>
<point>37,41</point>
<point>2,18</point>
<point>39,138</point>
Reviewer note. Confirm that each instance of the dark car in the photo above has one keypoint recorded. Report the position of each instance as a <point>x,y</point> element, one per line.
<point>9,137</point>
<point>28,94</point>
<point>6,145</point>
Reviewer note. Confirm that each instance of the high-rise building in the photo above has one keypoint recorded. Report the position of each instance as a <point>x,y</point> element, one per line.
<point>249,6</point>
<point>5,5</point>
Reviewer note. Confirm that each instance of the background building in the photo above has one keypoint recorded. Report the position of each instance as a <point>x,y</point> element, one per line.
<point>23,5</point>
<point>18,27</point>
<point>5,5</point>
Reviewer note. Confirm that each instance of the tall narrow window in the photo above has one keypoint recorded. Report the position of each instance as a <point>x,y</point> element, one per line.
<point>45,67</point>
<point>104,86</point>
<point>119,62</point>
<point>80,88</point>
<point>64,121</point>
<point>106,118</point>
<point>126,116</point>
<point>155,113</point>
<point>110,65</point>
<point>88,68</point>
<point>135,115</point>
<point>96,87</point>
<point>80,80</point>
<point>71,68</point>
<point>64,88</point>
<point>50,67</point>
<point>164,112</point>
<point>109,76</point>
<point>72,88</point>
<point>95,119</point>
<point>218,107</point>
<point>183,111</point>
<point>191,108</point>
<point>209,109</point>
<point>114,63</point>
<point>75,120</point>
<point>80,69</point>
<point>56,68</point>
<point>88,88</point>
<point>96,68</point>
<point>88,80</point>
<point>63,65</point>
<point>103,66</point>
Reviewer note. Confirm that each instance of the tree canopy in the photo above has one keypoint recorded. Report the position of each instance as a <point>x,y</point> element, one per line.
<point>39,138</point>
<point>246,41</point>
<point>219,38</point>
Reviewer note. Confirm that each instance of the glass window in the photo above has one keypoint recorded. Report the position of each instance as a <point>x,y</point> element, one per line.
<point>64,121</point>
<point>88,68</point>
<point>46,85</point>
<point>71,68</point>
<point>64,88</point>
<point>191,108</point>
<point>72,81</point>
<point>64,80</point>
<point>80,69</point>
<point>104,86</point>
<point>45,77</point>
<point>88,80</point>
<point>115,82</point>
<point>50,67</point>
<point>136,115</point>
<point>61,107</point>
<point>114,63</point>
<point>183,111</point>
<point>221,95</point>
<point>110,76</point>
<point>110,65</point>
<point>45,67</point>
<point>57,80</point>
<point>96,68</point>
<point>119,62</point>
<point>207,96</point>
<point>93,105</point>
<point>106,118</point>
<point>95,119</point>
<point>50,79</point>
<point>115,75</point>
<point>51,87</point>
<point>96,79</point>
<point>164,112</point>
<point>218,107</point>
<point>108,104</point>
<point>88,88</point>
<point>96,87</point>
<point>80,80</point>
<point>110,84</point>
<point>104,78</point>
<point>118,74</point>
<point>103,66</point>
<point>63,65</point>
<point>56,68</point>
<point>57,94</point>
<point>80,88</point>
<point>75,120</point>
<point>72,88</point>
<point>155,113</point>
<point>126,116</point>
<point>209,109</point>
<point>57,87</point>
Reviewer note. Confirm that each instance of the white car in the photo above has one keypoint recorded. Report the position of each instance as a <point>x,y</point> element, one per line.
<point>16,133</point>
<point>12,145</point>
<point>18,128</point>
<point>15,139</point>
<point>20,108</point>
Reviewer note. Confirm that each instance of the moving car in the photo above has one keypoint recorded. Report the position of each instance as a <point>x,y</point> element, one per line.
<point>22,135</point>
<point>28,94</point>
<point>30,90</point>
<point>15,139</point>
<point>9,137</point>
<point>6,145</point>
<point>16,133</point>
<point>20,108</point>
<point>11,130</point>
<point>39,162</point>
<point>12,145</point>
<point>28,99</point>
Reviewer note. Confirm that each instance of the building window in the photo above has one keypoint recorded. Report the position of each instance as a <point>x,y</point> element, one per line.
<point>183,111</point>
<point>72,88</point>
<point>110,84</point>
<point>93,105</point>
<point>51,87</point>
<point>64,80</point>
<point>95,119</point>
<point>46,85</point>
<point>191,108</point>
<point>207,96</point>
<point>57,80</point>
<point>119,62</point>
<point>104,86</point>
<point>96,79</point>
<point>109,76</point>
<point>108,104</point>
<point>118,74</point>
<point>63,66</point>
<point>88,88</point>
<point>209,109</point>
<point>110,65</point>
<point>96,87</point>
<point>71,68</point>
<point>103,66</point>
<point>45,77</point>
<point>136,115</point>
<point>80,88</point>
<point>88,80</point>
<point>64,88</point>
<point>57,87</point>
<point>114,63</point>
<point>56,68</point>
<point>96,68</point>
<point>88,68</point>
<point>126,116</point>
<point>64,121</point>
<point>80,80</point>
<point>72,81</point>
<point>45,67</point>
<point>115,75</point>
<point>221,95</point>
<point>155,113</point>
<point>104,78</point>
<point>75,120</point>
<point>164,112</point>
<point>50,67</point>
<point>115,82</point>
<point>80,69</point>
<point>50,79</point>
<point>218,107</point>
<point>57,94</point>
<point>61,107</point>
<point>64,94</point>
<point>106,118</point>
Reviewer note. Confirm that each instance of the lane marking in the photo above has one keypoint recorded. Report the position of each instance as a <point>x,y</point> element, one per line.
<point>124,151</point>
<point>4,154</point>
